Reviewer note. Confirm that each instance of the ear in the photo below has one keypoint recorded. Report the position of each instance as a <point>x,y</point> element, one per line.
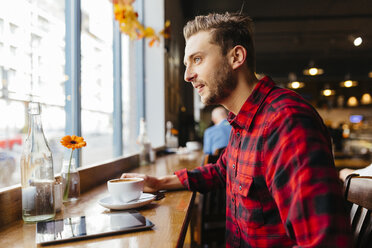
<point>238,55</point>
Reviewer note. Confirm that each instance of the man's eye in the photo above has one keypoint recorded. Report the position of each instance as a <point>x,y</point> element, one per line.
<point>197,59</point>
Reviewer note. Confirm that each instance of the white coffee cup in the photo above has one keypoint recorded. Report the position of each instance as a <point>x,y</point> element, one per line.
<point>193,146</point>
<point>125,189</point>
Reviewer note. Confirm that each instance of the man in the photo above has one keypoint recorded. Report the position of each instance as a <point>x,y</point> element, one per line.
<point>217,136</point>
<point>282,189</point>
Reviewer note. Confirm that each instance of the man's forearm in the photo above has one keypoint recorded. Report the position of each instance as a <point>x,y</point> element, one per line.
<point>169,182</point>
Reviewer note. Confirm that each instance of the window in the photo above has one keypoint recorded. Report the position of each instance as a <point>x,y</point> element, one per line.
<point>43,23</point>
<point>1,26</point>
<point>13,28</point>
<point>33,73</point>
<point>96,80</point>
<point>11,138</point>
<point>13,51</point>
<point>129,96</point>
<point>35,41</point>
<point>37,73</point>
<point>154,75</point>
<point>143,81</point>
<point>2,81</point>
<point>1,48</point>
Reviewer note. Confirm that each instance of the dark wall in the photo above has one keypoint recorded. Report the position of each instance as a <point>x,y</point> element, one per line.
<point>178,93</point>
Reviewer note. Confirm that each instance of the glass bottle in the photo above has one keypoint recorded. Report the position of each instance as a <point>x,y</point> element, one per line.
<point>171,141</point>
<point>144,143</point>
<point>168,135</point>
<point>71,192</point>
<point>37,177</point>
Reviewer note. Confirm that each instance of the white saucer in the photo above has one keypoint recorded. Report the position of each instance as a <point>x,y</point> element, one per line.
<point>108,202</point>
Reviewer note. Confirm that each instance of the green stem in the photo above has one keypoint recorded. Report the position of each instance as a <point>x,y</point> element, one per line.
<point>67,187</point>
<point>72,229</point>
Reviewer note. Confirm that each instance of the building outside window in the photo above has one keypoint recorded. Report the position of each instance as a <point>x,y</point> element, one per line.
<point>31,62</point>
<point>32,68</point>
<point>97,80</point>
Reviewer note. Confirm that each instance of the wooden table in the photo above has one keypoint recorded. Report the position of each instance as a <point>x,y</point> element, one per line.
<point>170,214</point>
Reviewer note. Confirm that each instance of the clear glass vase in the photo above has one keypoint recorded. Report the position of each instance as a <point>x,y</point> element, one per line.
<point>70,181</point>
<point>37,177</point>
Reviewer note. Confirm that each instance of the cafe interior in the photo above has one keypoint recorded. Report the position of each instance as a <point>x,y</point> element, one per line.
<point>114,76</point>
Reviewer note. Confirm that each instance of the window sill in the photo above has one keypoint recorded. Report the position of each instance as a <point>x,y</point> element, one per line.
<point>11,197</point>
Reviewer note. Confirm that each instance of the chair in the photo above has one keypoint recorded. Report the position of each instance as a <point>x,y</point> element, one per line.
<point>212,158</point>
<point>211,213</point>
<point>358,192</point>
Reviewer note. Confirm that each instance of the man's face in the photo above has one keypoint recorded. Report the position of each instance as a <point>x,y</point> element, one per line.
<point>207,69</point>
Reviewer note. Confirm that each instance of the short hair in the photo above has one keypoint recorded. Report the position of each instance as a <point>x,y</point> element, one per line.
<point>228,30</point>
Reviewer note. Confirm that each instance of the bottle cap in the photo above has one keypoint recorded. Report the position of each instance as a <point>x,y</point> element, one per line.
<point>34,108</point>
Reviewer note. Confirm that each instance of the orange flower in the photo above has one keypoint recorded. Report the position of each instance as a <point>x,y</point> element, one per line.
<point>73,142</point>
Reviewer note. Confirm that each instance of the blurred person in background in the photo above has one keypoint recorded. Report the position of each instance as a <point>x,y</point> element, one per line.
<point>217,136</point>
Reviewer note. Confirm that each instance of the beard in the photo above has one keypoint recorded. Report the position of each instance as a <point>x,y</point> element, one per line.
<point>221,84</point>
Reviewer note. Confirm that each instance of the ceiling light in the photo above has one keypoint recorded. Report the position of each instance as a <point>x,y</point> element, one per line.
<point>328,92</point>
<point>352,101</point>
<point>293,83</point>
<point>358,41</point>
<point>349,83</point>
<point>370,74</point>
<point>296,85</point>
<point>366,98</point>
<point>312,70</point>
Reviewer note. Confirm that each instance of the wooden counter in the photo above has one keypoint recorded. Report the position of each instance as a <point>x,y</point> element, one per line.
<point>347,160</point>
<point>351,163</point>
<point>170,214</point>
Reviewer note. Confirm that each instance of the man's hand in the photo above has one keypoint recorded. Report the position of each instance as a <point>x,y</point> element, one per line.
<point>151,183</point>
<point>154,184</point>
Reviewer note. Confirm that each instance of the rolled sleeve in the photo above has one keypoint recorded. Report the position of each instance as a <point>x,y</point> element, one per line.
<point>183,177</point>
<point>203,178</point>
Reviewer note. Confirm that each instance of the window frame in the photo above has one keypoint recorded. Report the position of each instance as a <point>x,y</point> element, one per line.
<point>73,71</point>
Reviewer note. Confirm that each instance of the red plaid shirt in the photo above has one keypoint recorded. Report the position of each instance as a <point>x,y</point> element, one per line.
<point>282,189</point>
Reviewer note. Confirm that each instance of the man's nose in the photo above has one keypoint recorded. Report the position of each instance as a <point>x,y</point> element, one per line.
<point>190,75</point>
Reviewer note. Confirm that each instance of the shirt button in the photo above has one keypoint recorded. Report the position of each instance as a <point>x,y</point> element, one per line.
<point>238,134</point>
<point>240,187</point>
<point>237,231</point>
<point>233,200</point>
<point>233,166</point>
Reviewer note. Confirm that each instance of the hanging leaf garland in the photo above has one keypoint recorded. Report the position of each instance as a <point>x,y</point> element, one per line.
<point>129,24</point>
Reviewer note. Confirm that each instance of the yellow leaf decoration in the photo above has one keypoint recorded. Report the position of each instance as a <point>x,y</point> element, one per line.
<point>129,24</point>
<point>166,31</point>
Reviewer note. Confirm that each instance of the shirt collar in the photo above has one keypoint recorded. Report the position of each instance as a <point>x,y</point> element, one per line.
<point>244,118</point>
<point>222,122</point>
